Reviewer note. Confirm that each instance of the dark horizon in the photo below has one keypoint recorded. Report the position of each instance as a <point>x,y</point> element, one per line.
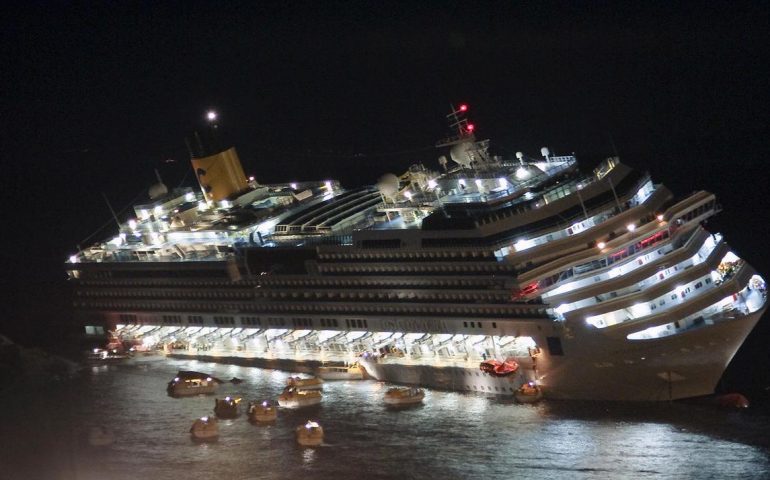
<point>99,96</point>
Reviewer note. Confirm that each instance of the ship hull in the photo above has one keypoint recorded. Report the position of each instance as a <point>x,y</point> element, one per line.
<point>593,368</point>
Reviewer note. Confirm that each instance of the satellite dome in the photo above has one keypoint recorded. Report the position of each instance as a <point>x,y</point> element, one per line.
<point>157,190</point>
<point>388,184</point>
<point>463,154</point>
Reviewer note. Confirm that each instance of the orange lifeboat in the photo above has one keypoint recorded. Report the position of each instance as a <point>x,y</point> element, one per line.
<point>498,368</point>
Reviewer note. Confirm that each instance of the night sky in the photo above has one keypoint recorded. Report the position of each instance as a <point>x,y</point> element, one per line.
<point>95,97</point>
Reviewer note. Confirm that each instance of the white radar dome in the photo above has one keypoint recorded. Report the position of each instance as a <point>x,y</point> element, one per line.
<point>388,184</point>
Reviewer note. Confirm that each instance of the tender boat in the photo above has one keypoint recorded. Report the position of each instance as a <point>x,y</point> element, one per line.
<point>349,372</point>
<point>404,396</point>
<point>310,434</point>
<point>100,437</point>
<point>226,407</point>
<point>101,355</point>
<point>499,369</point>
<point>262,412</point>
<point>187,383</point>
<point>528,393</point>
<point>205,429</point>
<point>294,398</point>
<point>312,383</point>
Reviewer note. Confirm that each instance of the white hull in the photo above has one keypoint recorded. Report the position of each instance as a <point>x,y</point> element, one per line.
<point>339,374</point>
<point>299,403</point>
<point>599,368</point>
<point>184,391</point>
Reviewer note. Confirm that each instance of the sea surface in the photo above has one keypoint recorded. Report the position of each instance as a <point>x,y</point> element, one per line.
<point>451,436</point>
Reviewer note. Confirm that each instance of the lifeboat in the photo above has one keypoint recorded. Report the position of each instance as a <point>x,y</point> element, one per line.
<point>528,393</point>
<point>312,383</point>
<point>205,429</point>
<point>187,383</point>
<point>226,407</point>
<point>294,398</point>
<point>263,412</point>
<point>732,400</point>
<point>310,434</point>
<point>349,372</point>
<point>403,396</point>
<point>499,369</point>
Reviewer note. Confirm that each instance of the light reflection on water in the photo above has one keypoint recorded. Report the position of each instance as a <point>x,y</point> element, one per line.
<point>452,435</point>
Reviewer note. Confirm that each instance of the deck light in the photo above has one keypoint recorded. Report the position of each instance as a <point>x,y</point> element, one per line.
<point>601,245</point>
<point>631,227</point>
<point>211,115</point>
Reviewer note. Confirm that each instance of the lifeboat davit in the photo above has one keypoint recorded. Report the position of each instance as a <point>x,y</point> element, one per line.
<point>499,369</point>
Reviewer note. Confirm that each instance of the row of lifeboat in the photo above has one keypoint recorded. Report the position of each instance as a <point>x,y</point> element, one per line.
<point>190,383</point>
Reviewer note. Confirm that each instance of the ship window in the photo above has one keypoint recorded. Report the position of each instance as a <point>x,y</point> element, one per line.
<point>465,324</point>
<point>494,324</point>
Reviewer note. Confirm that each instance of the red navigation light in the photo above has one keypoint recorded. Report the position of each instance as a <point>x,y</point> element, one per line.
<point>470,127</point>
<point>463,108</point>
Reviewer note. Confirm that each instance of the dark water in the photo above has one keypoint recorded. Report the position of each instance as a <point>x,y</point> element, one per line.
<point>452,436</point>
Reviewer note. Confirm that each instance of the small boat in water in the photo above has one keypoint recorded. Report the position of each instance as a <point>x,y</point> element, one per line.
<point>294,398</point>
<point>312,383</point>
<point>226,407</point>
<point>528,393</point>
<point>205,429</point>
<point>310,434</point>
<point>263,412</point>
<point>732,400</point>
<point>498,368</point>
<point>404,396</point>
<point>187,383</point>
<point>349,372</point>
<point>101,355</point>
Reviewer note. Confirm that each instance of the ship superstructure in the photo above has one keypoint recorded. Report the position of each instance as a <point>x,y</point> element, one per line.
<point>600,285</point>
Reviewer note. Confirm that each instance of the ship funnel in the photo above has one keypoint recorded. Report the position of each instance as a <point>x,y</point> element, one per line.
<point>218,170</point>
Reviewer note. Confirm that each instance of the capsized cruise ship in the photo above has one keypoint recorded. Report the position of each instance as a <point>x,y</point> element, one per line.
<point>591,286</point>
